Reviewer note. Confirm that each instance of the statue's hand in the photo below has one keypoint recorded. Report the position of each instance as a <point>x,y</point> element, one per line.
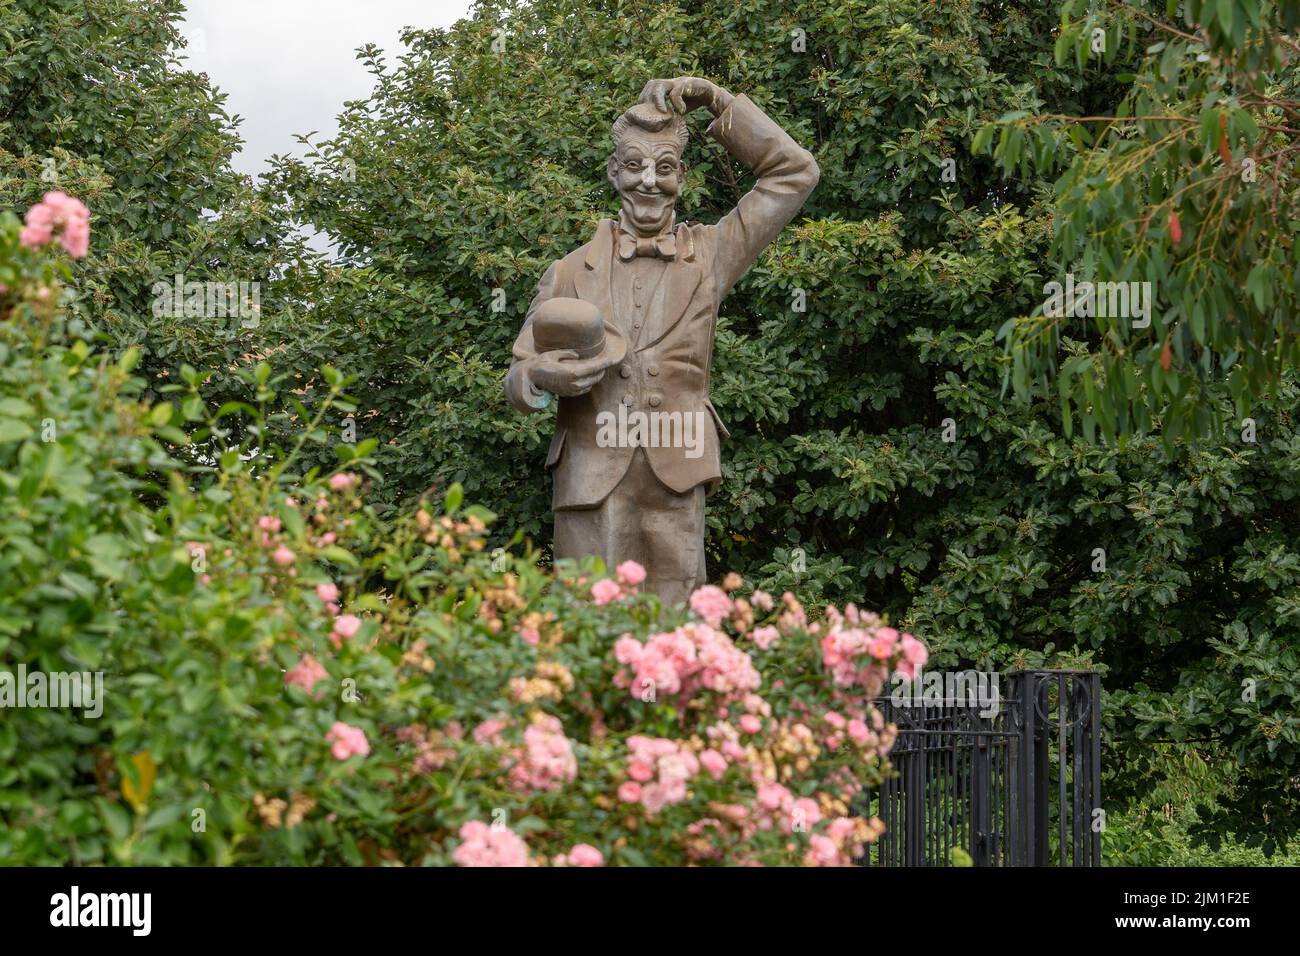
<point>686,93</point>
<point>561,373</point>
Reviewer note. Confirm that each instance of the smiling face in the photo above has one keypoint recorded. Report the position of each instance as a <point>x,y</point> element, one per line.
<point>647,171</point>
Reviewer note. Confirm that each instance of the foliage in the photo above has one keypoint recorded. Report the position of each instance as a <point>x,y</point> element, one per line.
<point>1185,182</point>
<point>1156,831</point>
<point>94,102</point>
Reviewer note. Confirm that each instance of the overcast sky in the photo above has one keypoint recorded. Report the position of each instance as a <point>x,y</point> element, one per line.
<point>288,65</point>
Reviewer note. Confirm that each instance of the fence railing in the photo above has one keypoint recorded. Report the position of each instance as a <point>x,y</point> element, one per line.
<point>1013,783</point>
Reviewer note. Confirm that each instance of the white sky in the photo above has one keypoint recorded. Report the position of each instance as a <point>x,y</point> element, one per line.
<point>288,65</point>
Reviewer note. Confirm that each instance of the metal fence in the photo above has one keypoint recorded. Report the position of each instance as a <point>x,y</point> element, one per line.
<point>1016,784</point>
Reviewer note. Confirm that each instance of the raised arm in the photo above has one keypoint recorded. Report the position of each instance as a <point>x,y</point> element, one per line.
<point>786,172</point>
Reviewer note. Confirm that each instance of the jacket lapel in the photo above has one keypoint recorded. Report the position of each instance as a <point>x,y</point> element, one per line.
<point>592,282</point>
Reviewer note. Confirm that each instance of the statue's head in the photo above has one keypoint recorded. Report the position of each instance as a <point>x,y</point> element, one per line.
<point>646,168</point>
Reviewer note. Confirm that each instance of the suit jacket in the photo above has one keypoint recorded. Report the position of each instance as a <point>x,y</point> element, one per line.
<point>668,360</point>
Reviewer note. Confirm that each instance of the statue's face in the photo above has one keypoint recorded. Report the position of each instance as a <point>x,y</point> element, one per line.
<point>648,174</point>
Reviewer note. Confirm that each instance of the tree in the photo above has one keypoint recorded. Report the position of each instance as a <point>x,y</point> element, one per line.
<point>94,102</point>
<point>1183,193</point>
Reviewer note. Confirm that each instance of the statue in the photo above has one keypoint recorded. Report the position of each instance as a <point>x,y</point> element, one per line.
<point>621,330</point>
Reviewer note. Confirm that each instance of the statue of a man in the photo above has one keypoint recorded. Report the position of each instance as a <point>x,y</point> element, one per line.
<point>621,330</point>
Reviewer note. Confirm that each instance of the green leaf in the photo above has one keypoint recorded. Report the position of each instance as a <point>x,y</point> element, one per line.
<point>11,430</point>
<point>1226,10</point>
<point>455,495</point>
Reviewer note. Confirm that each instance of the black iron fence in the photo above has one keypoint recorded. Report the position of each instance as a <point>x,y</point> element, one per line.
<point>1012,778</point>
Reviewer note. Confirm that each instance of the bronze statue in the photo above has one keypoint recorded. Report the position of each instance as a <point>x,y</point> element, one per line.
<point>621,330</point>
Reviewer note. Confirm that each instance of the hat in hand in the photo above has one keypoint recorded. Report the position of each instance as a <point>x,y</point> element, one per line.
<point>576,326</point>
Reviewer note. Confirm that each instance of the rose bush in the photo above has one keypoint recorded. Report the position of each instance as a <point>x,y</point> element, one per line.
<point>290,679</point>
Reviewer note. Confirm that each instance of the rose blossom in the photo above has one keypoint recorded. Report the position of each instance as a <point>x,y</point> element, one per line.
<point>630,573</point>
<point>584,854</point>
<point>348,740</point>
<point>345,628</point>
<point>482,845</point>
<point>630,792</point>
<point>57,209</point>
<point>711,603</point>
<point>604,591</point>
<point>307,673</point>
<point>765,636</point>
<point>714,763</point>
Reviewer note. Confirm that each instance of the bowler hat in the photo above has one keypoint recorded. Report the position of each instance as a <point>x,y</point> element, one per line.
<point>577,326</point>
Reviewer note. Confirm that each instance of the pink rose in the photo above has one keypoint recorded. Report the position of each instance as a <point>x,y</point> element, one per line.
<point>772,796</point>
<point>342,481</point>
<point>34,236</point>
<point>859,733</point>
<point>584,854</point>
<point>711,603</point>
<point>307,673</point>
<point>915,652</point>
<point>40,216</point>
<point>630,573</point>
<point>283,556</point>
<point>604,591</point>
<point>347,625</point>
<point>804,814</point>
<point>76,238</point>
<point>750,724</point>
<point>488,733</point>
<point>630,792</point>
<point>328,592</point>
<point>714,763</point>
<point>482,845</point>
<point>348,741</point>
<point>58,210</point>
<point>881,649</point>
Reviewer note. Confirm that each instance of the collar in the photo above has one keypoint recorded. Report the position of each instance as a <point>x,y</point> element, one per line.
<point>685,238</point>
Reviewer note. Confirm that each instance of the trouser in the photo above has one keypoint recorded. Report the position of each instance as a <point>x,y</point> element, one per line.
<point>645,521</point>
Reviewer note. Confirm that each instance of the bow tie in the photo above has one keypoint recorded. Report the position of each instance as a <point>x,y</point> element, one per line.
<point>663,246</point>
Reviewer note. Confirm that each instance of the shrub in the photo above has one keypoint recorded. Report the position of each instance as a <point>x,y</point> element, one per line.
<point>291,679</point>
